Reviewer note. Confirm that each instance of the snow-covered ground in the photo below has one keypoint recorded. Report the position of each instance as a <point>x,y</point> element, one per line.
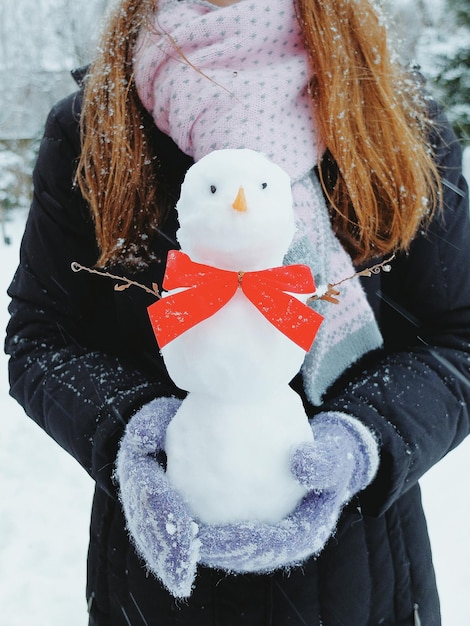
<point>46,496</point>
<point>44,507</point>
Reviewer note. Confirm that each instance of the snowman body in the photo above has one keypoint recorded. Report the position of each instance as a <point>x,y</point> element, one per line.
<point>230,444</point>
<point>230,460</point>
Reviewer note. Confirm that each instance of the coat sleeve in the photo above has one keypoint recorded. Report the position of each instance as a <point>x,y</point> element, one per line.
<point>415,394</point>
<point>80,393</point>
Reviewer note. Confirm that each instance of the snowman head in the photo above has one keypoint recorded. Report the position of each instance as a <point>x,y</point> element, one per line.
<point>235,211</point>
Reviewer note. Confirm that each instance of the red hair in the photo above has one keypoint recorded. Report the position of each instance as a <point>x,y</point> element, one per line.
<point>371,115</point>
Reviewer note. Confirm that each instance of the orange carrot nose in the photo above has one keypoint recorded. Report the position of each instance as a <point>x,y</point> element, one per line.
<point>239,204</point>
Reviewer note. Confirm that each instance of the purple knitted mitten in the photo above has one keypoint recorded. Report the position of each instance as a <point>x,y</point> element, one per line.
<point>343,456</point>
<point>157,518</point>
<point>260,547</point>
<point>341,461</point>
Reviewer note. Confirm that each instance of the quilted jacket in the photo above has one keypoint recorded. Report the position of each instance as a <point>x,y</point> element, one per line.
<point>83,359</point>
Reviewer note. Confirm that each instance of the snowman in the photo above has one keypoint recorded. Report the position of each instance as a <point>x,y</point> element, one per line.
<point>233,329</point>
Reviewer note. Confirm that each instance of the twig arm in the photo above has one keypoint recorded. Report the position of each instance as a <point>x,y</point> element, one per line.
<point>126,282</point>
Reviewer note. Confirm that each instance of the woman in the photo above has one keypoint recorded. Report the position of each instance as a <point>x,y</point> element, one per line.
<point>83,360</point>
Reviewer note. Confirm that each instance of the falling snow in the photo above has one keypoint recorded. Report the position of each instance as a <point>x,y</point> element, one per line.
<point>44,511</point>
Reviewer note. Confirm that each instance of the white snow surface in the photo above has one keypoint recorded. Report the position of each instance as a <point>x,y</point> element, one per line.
<point>46,497</point>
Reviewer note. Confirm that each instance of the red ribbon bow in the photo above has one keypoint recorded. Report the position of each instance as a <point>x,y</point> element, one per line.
<point>208,289</point>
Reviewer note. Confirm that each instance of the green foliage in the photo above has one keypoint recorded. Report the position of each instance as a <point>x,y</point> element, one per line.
<point>454,81</point>
<point>461,11</point>
<point>452,66</point>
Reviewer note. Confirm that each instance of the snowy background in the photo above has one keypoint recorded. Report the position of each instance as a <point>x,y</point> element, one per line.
<point>46,496</point>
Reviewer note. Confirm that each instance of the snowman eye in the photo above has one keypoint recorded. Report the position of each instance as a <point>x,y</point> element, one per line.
<point>213,188</point>
<point>264,185</point>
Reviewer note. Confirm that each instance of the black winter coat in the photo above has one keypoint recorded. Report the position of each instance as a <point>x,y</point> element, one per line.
<point>83,359</point>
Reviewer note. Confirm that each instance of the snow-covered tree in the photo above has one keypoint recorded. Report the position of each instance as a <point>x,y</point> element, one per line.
<point>443,52</point>
<point>406,21</point>
<point>461,9</point>
<point>455,78</point>
<point>40,42</point>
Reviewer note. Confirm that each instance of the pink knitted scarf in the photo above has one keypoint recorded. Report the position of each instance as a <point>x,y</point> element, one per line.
<point>237,77</point>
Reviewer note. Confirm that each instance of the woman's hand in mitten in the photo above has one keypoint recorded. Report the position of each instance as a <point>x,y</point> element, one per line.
<point>157,518</point>
<point>260,547</point>
<point>343,457</point>
<point>341,461</point>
